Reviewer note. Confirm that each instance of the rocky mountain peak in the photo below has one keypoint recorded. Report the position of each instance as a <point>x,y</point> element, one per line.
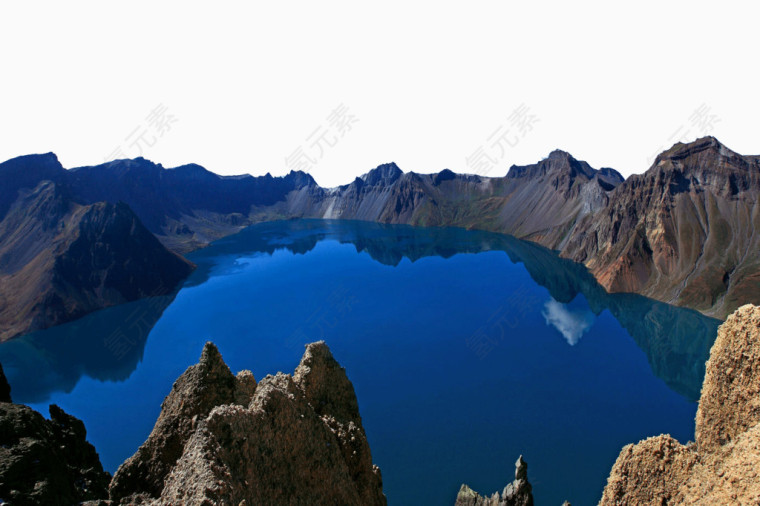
<point>301,179</point>
<point>385,174</point>
<point>39,163</point>
<point>706,154</point>
<point>559,154</point>
<point>196,392</point>
<point>558,162</point>
<point>325,384</point>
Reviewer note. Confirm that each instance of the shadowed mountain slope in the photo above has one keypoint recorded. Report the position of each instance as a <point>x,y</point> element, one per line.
<point>60,260</point>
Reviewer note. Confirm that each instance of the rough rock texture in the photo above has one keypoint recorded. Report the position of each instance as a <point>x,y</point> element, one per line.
<point>196,392</point>
<point>730,402</point>
<point>298,441</point>
<point>685,232</point>
<point>723,466</point>
<point>517,493</point>
<point>650,472</point>
<point>47,461</point>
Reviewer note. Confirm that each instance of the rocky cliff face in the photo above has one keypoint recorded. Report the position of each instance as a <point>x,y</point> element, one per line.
<point>223,439</point>
<point>60,260</point>
<point>517,493</point>
<point>684,232</point>
<point>46,461</point>
<point>721,467</point>
<point>539,202</point>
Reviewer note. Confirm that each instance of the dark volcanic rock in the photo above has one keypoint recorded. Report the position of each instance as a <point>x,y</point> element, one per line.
<point>517,493</point>
<point>298,441</point>
<point>5,388</point>
<point>47,462</point>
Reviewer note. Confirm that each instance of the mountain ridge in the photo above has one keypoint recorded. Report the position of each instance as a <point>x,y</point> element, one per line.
<point>660,233</point>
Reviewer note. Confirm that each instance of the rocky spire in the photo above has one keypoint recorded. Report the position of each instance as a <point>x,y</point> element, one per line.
<point>201,387</point>
<point>517,493</point>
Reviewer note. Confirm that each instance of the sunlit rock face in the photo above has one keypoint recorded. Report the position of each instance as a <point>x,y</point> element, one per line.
<point>224,439</point>
<point>723,465</point>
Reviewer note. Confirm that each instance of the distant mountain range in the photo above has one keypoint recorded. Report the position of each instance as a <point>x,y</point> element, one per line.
<point>684,232</point>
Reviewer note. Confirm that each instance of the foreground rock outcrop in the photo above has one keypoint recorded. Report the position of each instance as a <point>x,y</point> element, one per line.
<point>517,493</point>
<point>723,465</point>
<point>46,461</point>
<point>224,439</point>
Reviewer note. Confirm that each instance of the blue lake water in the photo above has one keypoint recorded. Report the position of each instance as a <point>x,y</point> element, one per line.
<point>466,349</point>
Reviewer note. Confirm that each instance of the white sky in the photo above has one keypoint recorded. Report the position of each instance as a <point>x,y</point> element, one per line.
<point>427,83</point>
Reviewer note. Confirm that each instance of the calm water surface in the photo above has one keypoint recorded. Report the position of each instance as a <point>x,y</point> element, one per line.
<point>466,349</point>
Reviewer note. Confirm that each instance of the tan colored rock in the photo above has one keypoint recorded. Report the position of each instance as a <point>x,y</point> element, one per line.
<point>267,443</point>
<point>730,402</point>
<point>649,472</point>
<point>330,393</point>
<point>723,466</point>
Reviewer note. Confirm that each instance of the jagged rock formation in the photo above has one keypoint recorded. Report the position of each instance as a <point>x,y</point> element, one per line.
<point>60,260</point>
<point>195,393</point>
<point>223,439</point>
<point>517,493</point>
<point>46,461</point>
<point>721,467</point>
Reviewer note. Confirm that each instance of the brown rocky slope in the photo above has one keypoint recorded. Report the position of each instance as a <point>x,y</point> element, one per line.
<point>686,232</point>
<point>60,260</point>
<point>723,465</point>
